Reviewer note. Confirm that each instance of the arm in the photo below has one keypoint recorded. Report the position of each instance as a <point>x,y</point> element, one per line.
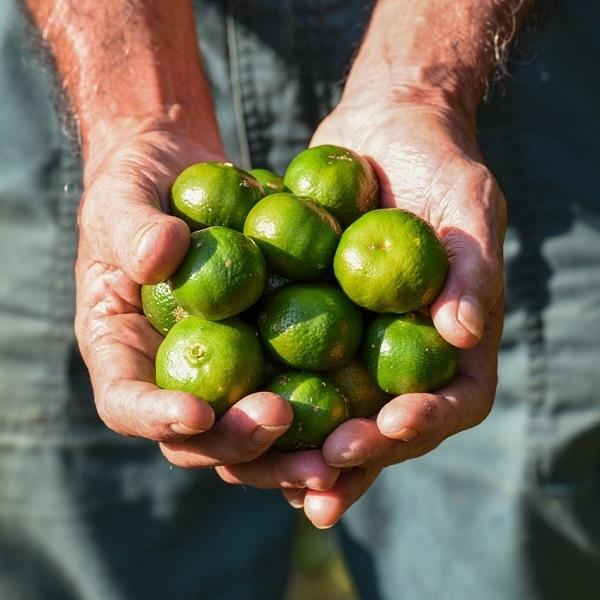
<point>409,105</point>
<point>132,72</point>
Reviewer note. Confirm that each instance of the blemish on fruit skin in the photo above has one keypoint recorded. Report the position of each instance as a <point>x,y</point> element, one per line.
<point>228,263</point>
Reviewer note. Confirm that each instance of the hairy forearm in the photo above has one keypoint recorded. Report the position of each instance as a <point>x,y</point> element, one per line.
<point>128,64</point>
<point>434,50</point>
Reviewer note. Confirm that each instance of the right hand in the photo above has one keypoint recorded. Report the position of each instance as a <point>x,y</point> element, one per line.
<point>126,239</point>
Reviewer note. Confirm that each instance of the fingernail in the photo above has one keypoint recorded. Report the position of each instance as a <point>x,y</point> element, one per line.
<point>297,502</point>
<point>406,434</point>
<point>323,526</point>
<point>265,434</point>
<point>391,424</point>
<point>185,430</point>
<point>470,315</point>
<point>346,459</point>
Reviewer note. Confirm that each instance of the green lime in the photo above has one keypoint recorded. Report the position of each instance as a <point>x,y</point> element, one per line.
<point>214,193</point>
<point>364,396</point>
<point>218,362</point>
<point>222,274</point>
<point>339,179</point>
<point>271,182</point>
<point>318,408</point>
<point>297,236</point>
<point>274,282</point>
<point>310,326</point>
<point>391,260</point>
<point>160,306</point>
<point>405,354</point>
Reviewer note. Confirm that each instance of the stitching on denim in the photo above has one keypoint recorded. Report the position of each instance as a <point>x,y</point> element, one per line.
<point>236,84</point>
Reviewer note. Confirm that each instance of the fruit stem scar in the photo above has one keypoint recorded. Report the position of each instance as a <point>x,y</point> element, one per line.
<point>196,351</point>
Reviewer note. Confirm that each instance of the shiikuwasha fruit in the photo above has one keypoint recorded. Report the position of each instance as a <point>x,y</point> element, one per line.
<point>222,274</point>
<point>337,178</point>
<point>220,362</point>
<point>310,326</point>
<point>391,261</point>
<point>405,354</point>
<point>214,193</point>
<point>318,408</point>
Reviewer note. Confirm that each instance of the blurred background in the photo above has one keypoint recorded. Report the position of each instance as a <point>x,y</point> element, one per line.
<point>318,571</point>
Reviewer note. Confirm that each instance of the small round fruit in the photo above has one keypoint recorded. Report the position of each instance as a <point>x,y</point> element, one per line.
<point>310,326</point>
<point>274,282</point>
<point>222,274</point>
<point>160,307</point>
<point>214,193</point>
<point>405,354</point>
<point>271,182</point>
<point>218,362</point>
<point>335,177</point>
<point>318,408</point>
<point>391,261</point>
<point>297,236</point>
<point>365,398</point>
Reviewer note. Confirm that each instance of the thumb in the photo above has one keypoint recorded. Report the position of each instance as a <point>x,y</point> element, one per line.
<point>473,285</point>
<point>121,224</point>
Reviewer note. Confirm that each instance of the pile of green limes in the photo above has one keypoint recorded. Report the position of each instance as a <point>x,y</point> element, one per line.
<point>301,286</point>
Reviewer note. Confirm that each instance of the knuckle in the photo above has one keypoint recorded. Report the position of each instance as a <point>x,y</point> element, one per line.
<point>107,418</point>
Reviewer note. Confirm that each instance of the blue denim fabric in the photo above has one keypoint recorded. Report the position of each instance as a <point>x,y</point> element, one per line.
<point>509,510</point>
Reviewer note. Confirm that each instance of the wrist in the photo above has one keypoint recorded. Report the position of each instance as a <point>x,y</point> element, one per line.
<point>174,122</point>
<point>156,147</point>
<point>425,52</point>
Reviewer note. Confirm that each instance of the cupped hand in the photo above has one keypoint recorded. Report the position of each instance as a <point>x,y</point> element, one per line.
<point>427,161</point>
<point>127,239</point>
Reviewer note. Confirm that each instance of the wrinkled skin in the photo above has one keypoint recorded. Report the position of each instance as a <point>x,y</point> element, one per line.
<point>428,162</point>
<point>126,239</point>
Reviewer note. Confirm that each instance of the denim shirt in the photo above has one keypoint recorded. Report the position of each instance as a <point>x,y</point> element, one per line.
<point>494,513</point>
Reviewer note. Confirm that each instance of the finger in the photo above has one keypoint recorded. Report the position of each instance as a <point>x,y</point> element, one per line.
<point>119,346</point>
<point>122,374</point>
<point>288,470</point>
<point>325,508</point>
<point>121,224</point>
<point>413,424</point>
<point>474,280</point>
<point>295,498</point>
<point>408,426</point>
<point>242,434</point>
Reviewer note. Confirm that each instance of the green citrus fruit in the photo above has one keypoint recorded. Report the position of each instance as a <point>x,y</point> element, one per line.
<point>365,398</point>
<point>405,354</point>
<point>338,178</point>
<point>274,282</point>
<point>297,236</point>
<point>310,326</point>
<point>160,307</point>
<point>271,182</point>
<point>318,408</point>
<point>222,274</point>
<point>214,193</point>
<point>218,362</point>
<point>390,260</point>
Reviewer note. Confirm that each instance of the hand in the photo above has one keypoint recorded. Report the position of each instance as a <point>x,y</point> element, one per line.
<point>127,239</point>
<point>427,162</point>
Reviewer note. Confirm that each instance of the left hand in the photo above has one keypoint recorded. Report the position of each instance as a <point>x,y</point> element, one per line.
<point>428,162</point>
